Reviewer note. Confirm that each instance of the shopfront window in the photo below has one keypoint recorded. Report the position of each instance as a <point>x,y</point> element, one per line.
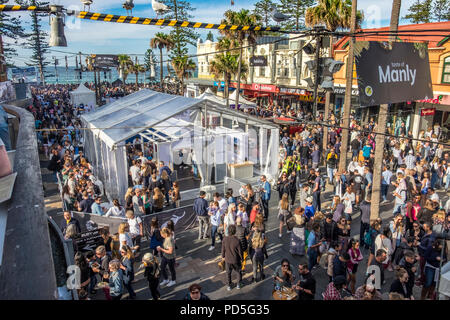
<point>262,71</point>
<point>446,71</point>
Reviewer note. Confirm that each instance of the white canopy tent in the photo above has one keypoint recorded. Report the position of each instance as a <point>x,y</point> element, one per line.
<point>173,123</point>
<point>82,95</point>
<point>242,101</point>
<point>210,96</point>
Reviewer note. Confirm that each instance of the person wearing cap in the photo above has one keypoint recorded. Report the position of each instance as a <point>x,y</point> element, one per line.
<point>333,290</point>
<point>316,190</point>
<point>410,160</point>
<point>309,209</point>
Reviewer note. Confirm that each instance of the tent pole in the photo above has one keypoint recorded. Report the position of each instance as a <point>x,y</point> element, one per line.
<point>206,181</point>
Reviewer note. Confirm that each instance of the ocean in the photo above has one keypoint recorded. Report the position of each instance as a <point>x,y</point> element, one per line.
<point>69,76</point>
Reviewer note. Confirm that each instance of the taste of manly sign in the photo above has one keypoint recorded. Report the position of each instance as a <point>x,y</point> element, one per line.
<point>392,73</point>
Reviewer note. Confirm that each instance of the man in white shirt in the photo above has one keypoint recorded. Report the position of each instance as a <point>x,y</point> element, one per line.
<point>136,230</point>
<point>135,173</point>
<point>143,159</point>
<point>399,193</point>
<point>360,168</point>
<point>223,204</point>
<point>433,195</point>
<point>410,160</point>
<point>385,182</point>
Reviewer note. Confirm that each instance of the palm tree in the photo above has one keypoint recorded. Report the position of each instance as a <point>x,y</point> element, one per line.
<point>381,128</point>
<point>162,41</point>
<point>183,67</point>
<point>125,65</point>
<point>137,68</point>
<point>224,66</point>
<point>334,14</point>
<point>241,18</point>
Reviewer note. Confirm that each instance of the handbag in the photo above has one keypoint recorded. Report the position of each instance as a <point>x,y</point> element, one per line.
<point>291,223</point>
<point>221,264</point>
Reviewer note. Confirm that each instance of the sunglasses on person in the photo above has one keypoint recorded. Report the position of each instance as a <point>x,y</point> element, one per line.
<point>285,266</point>
<point>195,292</point>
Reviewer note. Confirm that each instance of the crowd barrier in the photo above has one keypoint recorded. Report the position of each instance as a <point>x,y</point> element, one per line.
<point>184,219</point>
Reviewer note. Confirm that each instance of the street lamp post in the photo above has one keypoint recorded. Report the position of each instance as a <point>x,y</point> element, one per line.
<point>316,58</point>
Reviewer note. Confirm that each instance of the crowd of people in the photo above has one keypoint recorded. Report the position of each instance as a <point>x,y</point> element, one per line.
<point>58,127</point>
<point>413,170</point>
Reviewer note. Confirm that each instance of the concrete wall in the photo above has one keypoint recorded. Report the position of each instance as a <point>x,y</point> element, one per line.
<point>27,270</point>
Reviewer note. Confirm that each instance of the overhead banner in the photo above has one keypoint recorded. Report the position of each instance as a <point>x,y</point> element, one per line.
<point>392,74</point>
<point>105,60</point>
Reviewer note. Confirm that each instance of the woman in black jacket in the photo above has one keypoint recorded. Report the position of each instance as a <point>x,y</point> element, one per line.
<point>81,262</point>
<point>433,260</point>
<point>127,269</point>
<point>400,284</point>
<point>151,273</point>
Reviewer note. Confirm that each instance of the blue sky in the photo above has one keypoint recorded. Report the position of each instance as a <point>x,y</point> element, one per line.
<point>102,37</point>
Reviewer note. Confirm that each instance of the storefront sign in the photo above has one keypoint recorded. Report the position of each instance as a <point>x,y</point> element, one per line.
<point>294,91</point>
<point>436,100</point>
<point>392,75</point>
<point>265,87</point>
<point>338,90</point>
<point>258,61</point>
<point>427,112</point>
<point>310,98</point>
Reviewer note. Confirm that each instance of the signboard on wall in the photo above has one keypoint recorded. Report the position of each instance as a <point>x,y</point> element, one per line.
<point>392,74</point>
<point>427,112</point>
<point>258,61</point>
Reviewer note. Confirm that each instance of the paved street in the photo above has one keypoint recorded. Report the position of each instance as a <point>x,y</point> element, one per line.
<point>198,265</point>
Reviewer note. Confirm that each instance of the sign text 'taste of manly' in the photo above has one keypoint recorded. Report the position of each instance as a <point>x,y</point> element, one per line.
<point>390,76</point>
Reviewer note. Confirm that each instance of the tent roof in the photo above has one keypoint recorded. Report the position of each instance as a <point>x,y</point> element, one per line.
<point>241,99</point>
<point>209,95</point>
<point>82,89</point>
<point>135,113</point>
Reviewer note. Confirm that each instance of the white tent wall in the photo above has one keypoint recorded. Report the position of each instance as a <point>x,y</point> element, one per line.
<point>83,95</point>
<point>121,169</point>
<point>147,112</point>
<point>274,152</point>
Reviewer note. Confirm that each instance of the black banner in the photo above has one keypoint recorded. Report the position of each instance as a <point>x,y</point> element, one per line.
<point>89,240</point>
<point>105,60</point>
<point>392,74</point>
<point>183,218</point>
<point>258,61</point>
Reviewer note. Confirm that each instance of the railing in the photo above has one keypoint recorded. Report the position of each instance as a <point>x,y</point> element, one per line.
<point>68,250</point>
<point>27,271</point>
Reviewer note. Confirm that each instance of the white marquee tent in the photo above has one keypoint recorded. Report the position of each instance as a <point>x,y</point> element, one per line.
<point>82,95</point>
<point>173,123</point>
<point>242,100</point>
<point>209,95</point>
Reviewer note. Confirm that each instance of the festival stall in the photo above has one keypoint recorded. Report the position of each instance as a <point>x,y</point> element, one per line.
<point>206,134</point>
<point>82,95</point>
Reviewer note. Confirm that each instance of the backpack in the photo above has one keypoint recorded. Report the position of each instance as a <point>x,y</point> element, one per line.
<point>322,184</point>
<point>368,237</point>
<point>323,262</point>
